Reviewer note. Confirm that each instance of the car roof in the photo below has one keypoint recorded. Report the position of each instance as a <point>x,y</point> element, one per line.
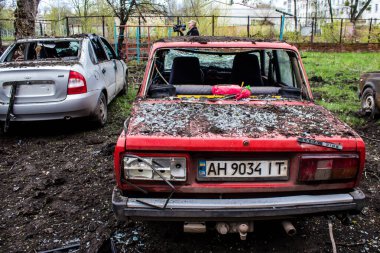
<point>219,41</point>
<point>48,38</point>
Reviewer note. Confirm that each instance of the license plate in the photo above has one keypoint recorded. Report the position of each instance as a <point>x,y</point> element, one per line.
<point>247,170</point>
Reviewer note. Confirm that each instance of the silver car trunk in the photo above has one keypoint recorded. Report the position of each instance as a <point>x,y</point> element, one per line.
<point>35,84</point>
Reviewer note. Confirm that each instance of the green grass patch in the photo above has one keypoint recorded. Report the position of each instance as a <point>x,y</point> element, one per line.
<point>334,79</point>
<point>123,104</point>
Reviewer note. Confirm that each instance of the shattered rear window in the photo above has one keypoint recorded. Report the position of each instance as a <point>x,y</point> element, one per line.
<point>223,71</point>
<point>44,50</point>
<point>205,60</point>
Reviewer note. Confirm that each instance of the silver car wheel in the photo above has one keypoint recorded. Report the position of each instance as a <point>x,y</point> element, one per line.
<point>101,113</point>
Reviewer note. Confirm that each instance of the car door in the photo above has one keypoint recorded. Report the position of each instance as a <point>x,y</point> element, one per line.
<point>118,66</point>
<point>107,69</point>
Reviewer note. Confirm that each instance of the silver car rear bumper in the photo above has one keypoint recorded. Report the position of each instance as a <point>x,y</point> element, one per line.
<point>224,209</point>
<point>73,106</point>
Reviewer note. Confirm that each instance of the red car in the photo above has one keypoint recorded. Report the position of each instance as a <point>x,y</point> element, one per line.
<point>225,132</point>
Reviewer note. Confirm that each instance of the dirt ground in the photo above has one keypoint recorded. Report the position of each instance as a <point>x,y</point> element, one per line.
<point>56,184</point>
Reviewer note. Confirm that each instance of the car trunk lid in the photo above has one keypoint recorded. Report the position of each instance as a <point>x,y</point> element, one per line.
<point>234,126</point>
<point>36,82</point>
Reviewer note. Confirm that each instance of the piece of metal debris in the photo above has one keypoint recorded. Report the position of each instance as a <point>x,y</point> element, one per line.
<point>67,248</point>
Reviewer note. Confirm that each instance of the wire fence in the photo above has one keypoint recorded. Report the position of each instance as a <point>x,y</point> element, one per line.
<point>300,30</point>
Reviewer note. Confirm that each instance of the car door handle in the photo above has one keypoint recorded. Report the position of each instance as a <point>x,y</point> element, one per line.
<point>103,71</point>
<point>114,65</point>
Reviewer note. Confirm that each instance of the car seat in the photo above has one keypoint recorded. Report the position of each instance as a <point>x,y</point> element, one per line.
<point>185,70</point>
<point>246,68</point>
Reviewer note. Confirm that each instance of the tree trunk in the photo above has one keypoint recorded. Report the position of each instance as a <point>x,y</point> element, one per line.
<point>331,12</point>
<point>295,16</point>
<point>120,39</point>
<point>25,14</point>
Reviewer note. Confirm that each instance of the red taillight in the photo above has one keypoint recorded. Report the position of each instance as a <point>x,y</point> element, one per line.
<point>77,83</point>
<point>328,167</point>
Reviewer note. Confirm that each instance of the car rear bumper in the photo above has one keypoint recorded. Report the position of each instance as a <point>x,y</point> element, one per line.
<point>235,209</point>
<point>73,106</point>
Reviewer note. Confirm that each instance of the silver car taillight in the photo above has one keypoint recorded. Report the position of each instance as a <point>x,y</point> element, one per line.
<point>171,168</point>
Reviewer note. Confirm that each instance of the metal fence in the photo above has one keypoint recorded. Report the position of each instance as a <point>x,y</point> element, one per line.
<point>303,30</point>
<point>42,28</point>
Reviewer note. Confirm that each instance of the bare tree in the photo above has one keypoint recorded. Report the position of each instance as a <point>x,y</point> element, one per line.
<point>124,9</point>
<point>82,7</point>
<point>331,12</point>
<point>25,14</point>
<point>355,10</point>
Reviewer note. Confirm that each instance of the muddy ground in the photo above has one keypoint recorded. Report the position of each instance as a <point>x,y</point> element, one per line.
<point>56,184</point>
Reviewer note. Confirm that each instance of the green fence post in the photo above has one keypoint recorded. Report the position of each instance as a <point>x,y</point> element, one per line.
<point>138,45</point>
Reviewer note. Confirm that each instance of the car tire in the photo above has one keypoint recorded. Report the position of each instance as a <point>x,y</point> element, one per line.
<point>101,113</point>
<point>368,103</point>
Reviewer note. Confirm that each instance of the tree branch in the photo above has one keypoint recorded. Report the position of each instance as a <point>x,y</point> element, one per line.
<point>365,6</point>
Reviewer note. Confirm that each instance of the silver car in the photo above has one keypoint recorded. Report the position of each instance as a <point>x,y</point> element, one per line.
<point>60,78</point>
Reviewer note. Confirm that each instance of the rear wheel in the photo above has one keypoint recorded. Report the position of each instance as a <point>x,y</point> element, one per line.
<point>101,113</point>
<point>368,103</point>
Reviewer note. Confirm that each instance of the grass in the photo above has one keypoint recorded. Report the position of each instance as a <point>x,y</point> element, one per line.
<point>123,104</point>
<point>334,79</point>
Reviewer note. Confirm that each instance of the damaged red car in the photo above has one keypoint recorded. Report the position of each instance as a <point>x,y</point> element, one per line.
<point>224,132</point>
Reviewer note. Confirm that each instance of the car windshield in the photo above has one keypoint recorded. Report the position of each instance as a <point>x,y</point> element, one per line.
<point>225,71</point>
<point>44,50</point>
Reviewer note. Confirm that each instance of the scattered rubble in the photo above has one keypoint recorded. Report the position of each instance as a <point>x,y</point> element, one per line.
<point>234,120</point>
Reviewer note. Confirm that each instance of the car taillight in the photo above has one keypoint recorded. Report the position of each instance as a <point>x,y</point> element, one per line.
<point>171,168</point>
<point>328,167</point>
<point>77,84</point>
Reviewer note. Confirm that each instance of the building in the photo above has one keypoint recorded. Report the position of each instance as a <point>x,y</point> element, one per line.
<point>306,9</point>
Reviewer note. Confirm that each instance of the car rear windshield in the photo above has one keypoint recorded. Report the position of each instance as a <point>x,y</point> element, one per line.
<point>44,50</point>
<point>189,71</point>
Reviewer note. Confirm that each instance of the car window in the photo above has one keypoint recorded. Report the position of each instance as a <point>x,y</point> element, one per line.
<point>205,60</point>
<point>98,49</point>
<point>92,53</point>
<point>111,54</point>
<point>45,49</point>
<point>203,71</point>
<point>285,68</point>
